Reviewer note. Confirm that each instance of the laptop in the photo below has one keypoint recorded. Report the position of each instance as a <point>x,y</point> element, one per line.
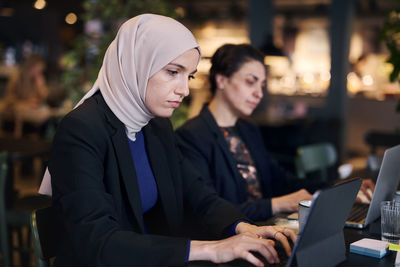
<point>320,241</point>
<point>363,214</point>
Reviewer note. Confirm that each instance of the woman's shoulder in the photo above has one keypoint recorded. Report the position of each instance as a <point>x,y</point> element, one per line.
<point>87,116</point>
<point>197,133</point>
<point>86,111</point>
<point>195,126</point>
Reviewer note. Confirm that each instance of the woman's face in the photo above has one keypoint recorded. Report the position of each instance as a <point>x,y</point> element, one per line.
<point>37,69</point>
<point>244,89</point>
<point>167,88</point>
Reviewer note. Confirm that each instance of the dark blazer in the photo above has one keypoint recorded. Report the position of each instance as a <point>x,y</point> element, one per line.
<point>96,193</point>
<point>202,142</point>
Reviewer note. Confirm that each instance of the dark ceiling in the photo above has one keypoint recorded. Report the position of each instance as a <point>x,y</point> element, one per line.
<point>48,25</point>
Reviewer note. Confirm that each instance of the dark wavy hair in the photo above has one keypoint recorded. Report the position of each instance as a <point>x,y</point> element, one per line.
<point>229,58</point>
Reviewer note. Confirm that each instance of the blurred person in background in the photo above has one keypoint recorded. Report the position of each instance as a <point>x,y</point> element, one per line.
<point>26,97</point>
<point>229,150</point>
<point>28,85</point>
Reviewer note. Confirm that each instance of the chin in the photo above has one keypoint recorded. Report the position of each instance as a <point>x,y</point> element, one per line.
<point>247,112</point>
<point>164,113</point>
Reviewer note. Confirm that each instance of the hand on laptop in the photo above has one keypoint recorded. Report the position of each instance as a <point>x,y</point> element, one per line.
<point>289,202</point>
<point>366,190</point>
<point>235,247</point>
<point>249,238</point>
<point>281,234</point>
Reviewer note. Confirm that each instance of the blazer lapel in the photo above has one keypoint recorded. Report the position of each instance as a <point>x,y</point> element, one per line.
<point>212,124</point>
<point>162,174</point>
<point>125,163</point>
<point>252,145</point>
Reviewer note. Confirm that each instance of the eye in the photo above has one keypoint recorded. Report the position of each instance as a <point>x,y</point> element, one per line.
<point>172,72</point>
<point>250,82</point>
<point>191,77</point>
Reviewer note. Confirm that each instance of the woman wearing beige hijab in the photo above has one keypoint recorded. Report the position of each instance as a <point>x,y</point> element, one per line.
<point>120,185</point>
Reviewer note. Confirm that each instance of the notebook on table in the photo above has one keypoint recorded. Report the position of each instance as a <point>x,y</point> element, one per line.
<point>363,214</point>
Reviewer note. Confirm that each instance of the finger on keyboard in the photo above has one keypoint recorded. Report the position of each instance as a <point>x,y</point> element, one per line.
<point>363,198</point>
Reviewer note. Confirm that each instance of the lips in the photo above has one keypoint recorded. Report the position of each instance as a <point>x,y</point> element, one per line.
<point>253,104</point>
<point>175,104</point>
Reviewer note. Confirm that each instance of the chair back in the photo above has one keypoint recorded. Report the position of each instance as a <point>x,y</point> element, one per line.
<point>381,140</point>
<point>4,249</point>
<point>46,235</point>
<point>315,157</point>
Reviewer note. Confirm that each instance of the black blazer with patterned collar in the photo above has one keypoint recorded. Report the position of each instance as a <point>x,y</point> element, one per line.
<point>202,142</point>
<point>96,193</point>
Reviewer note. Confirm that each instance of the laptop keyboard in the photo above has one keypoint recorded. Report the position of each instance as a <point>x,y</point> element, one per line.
<point>358,212</point>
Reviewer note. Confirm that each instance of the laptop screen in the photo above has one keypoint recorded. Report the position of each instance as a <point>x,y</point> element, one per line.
<point>387,182</point>
<point>321,241</point>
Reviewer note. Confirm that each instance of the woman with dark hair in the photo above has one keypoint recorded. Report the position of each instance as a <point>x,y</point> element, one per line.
<point>228,150</point>
<point>118,181</point>
<point>28,84</point>
<point>25,102</point>
<point>26,94</point>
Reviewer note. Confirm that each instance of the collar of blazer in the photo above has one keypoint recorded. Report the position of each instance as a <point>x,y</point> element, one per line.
<point>157,160</point>
<point>207,116</point>
<point>158,156</point>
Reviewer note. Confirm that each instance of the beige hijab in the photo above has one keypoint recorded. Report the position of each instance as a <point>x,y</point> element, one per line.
<point>142,47</point>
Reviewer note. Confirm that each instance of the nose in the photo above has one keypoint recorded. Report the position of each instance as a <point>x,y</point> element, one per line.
<point>183,88</point>
<point>258,93</point>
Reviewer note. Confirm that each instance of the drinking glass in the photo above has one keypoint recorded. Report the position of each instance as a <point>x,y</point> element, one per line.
<point>390,221</point>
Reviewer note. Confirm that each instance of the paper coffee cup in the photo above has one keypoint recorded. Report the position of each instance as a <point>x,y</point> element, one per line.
<point>304,206</point>
<point>396,196</point>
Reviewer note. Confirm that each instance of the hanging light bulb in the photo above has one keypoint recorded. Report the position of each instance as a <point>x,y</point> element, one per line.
<point>39,4</point>
<point>71,18</point>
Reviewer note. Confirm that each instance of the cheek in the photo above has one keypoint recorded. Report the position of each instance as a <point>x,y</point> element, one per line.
<point>151,96</point>
<point>240,93</point>
<point>148,103</point>
<point>155,98</point>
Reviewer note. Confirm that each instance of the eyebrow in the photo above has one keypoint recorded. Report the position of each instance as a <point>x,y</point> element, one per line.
<point>182,67</point>
<point>254,76</point>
